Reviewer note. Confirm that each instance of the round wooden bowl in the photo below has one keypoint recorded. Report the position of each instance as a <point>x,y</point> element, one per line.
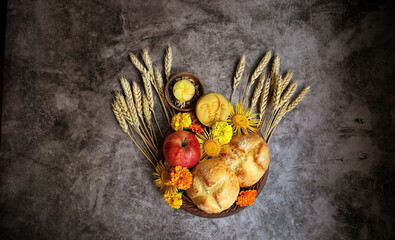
<point>169,93</point>
<point>190,207</point>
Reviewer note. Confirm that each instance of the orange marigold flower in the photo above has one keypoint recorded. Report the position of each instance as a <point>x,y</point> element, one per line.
<point>246,198</point>
<point>181,177</point>
<point>196,127</point>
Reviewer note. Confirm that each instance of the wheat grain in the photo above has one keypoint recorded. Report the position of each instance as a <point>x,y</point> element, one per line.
<point>238,74</point>
<point>298,98</point>
<point>262,64</point>
<point>119,116</point>
<point>138,99</point>
<point>276,91</point>
<point>147,112</point>
<point>148,91</point>
<point>158,80</point>
<point>126,88</point>
<point>258,91</point>
<point>275,66</point>
<point>288,93</point>
<point>168,60</point>
<point>264,98</point>
<point>147,60</point>
<point>286,79</point>
<point>139,66</point>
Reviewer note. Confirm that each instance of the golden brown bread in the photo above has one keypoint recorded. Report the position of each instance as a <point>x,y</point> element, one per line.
<point>214,186</point>
<point>248,157</point>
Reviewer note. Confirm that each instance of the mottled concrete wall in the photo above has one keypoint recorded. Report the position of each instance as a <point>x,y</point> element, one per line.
<point>69,172</point>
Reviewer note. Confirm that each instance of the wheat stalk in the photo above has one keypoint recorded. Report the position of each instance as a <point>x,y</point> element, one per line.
<point>122,122</point>
<point>273,125</point>
<point>139,66</point>
<point>298,98</point>
<point>160,90</point>
<point>262,64</point>
<point>258,91</point>
<point>264,98</point>
<point>288,93</point>
<point>168,60</point>
<point>238,74</point>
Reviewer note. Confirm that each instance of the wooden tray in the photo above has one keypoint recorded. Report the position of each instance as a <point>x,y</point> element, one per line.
<point>189,206</point>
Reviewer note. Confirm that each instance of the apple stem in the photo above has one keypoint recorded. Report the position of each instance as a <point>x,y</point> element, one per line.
<point>184,142</point>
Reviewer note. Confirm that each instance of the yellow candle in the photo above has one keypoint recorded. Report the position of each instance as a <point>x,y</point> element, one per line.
<point>183,90</point>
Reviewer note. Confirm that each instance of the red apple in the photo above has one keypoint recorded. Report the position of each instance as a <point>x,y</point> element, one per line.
<point>181,149</point>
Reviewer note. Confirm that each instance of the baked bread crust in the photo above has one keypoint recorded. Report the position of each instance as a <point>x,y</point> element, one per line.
<point>214,186</point>
<point>248,157</point>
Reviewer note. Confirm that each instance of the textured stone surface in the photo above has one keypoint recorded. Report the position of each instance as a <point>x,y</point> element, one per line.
<point>69,172</point>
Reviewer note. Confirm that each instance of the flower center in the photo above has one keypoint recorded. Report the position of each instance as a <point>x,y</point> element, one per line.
<point>165,177</point>
<point>212,148</point>
<point>240,121</point>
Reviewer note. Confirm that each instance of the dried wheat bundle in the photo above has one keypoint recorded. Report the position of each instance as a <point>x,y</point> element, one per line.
<point>134,110</point>
<point>271,94</point>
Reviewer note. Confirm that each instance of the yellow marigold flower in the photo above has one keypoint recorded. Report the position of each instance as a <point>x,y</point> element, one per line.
<point>173,199</point>
<point>181,177</point>
<point>181,121</point>
<point>222,132</point>
<point>246,198</point>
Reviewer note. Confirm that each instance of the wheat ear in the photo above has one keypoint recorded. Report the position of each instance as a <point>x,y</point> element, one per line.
<point>288,93</point>
<point>139,66</point>
<point>139,106</point>
<point>264,99</point>
<point>119,116</point>
<point>258,91</point>
<point>124,108</point>
<point>137,99</point>
<point>298,98</point>
<point>147,60</point>
<point>148,90</point>
<point>276,91</point>
<point>168,60</point>
<point>238,74</point>
<point>286,79</point>
<point>262,64</point>
<point>129,102</point>
<point>276,66</point>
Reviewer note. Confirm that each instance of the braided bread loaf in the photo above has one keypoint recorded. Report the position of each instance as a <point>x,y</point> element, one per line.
<point>248,157</point>
<point>214,186</point>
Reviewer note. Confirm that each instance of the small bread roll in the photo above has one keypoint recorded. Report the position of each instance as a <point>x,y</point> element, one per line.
<point>214,186</point>
<point>248,157</point>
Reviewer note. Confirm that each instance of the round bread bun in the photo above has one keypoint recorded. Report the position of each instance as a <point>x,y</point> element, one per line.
<point>214,186</point>
<point>248,157</point>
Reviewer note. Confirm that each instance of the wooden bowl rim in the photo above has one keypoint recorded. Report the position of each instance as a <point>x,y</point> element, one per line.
<point>193,76</point>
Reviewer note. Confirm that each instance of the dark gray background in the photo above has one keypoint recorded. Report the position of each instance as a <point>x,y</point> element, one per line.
<point>69,172</point>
